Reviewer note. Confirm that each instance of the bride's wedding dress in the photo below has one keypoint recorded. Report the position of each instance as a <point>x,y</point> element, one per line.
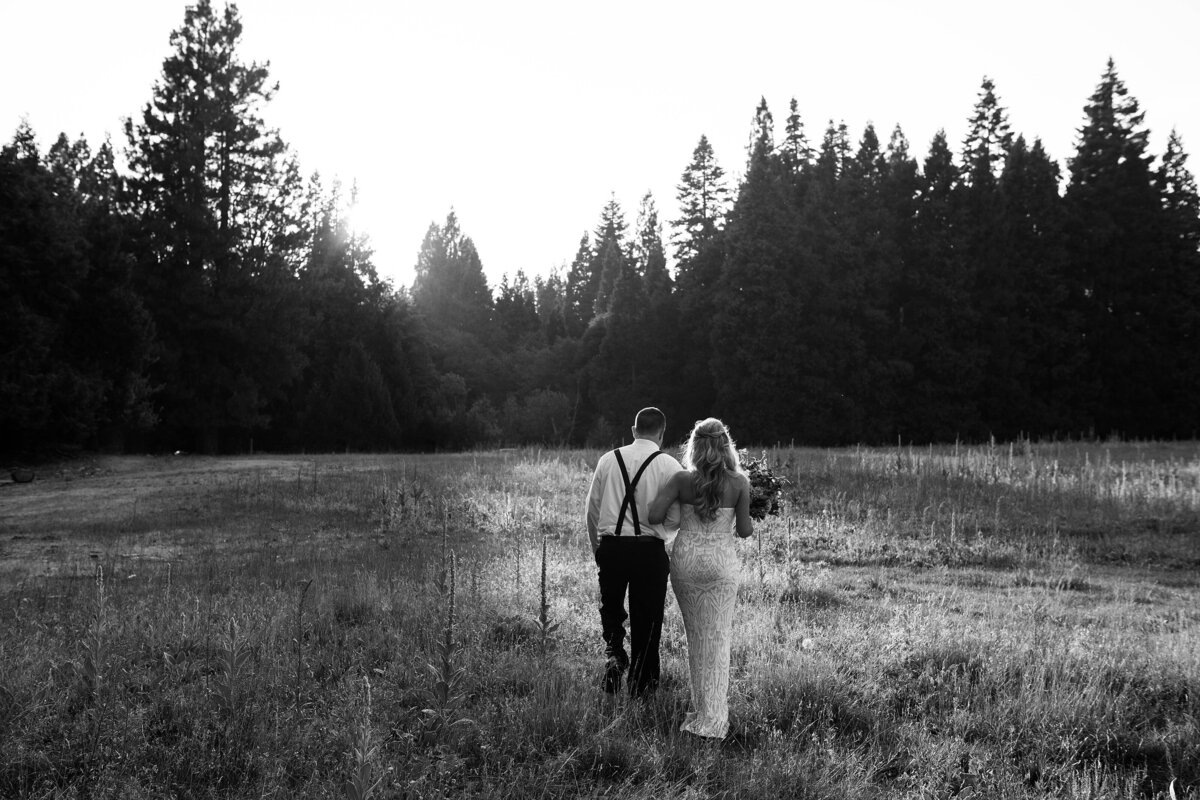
<point>704,575</point>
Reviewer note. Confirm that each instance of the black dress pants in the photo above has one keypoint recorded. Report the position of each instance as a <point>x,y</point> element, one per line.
<point>639,565</point>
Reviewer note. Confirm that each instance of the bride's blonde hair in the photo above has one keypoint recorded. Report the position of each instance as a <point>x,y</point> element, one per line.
<point>711,455</point>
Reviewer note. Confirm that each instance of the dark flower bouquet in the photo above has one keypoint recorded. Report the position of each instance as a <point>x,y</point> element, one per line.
<point>766,488</point>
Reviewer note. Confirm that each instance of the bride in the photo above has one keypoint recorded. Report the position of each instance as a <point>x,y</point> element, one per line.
<point>714,498</point>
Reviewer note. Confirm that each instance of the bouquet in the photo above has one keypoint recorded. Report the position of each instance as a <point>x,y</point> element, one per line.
<point>766,488</point>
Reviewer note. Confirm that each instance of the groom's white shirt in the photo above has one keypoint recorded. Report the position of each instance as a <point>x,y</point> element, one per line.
<point>607,493</point>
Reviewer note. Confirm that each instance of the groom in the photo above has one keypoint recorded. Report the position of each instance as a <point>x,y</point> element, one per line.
<point>630,552</point>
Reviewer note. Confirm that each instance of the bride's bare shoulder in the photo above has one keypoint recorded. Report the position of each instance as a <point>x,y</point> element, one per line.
<point>735,487</point>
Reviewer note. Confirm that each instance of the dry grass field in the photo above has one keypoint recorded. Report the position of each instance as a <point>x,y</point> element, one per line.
<point>1003,622</point>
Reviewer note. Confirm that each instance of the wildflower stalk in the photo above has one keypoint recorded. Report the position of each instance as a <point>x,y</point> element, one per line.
<point>227,682</point>
<point>92,668</point>
<point>363,783</point>
<point>446,696</point>
<point>440,580</point>
<point>545,627</point>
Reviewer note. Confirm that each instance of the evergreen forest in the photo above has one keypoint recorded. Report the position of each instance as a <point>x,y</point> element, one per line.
<point>192,288</point>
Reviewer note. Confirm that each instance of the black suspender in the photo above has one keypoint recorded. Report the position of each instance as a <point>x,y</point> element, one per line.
<point>630,501</point>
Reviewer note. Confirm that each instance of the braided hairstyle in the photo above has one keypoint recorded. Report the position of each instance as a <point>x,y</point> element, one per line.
<point>711,456</point>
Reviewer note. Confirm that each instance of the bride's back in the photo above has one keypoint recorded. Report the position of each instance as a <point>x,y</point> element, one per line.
<point>731,487</point>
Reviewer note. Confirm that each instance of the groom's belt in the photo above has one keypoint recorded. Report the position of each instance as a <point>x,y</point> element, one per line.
<point>643,539</point>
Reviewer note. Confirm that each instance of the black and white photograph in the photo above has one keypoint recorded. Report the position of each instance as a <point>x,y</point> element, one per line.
<point>641,400</point>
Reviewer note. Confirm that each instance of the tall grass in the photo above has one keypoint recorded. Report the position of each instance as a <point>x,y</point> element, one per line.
<point>1008,622</point>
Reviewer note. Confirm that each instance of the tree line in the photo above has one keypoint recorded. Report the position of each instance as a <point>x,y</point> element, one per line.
<point>206,295</point>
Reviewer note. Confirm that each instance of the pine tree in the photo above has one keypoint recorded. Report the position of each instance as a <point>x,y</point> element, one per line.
<point>401,348</point>
<point>901,185</point>
<point>650,260</point>
<point>762,134</point>
<point>841,268</point>
<point>201,150</point>
<point>869,271</point>
<point>700,251</point>
<point>206,171</point>
<point>363,386</point>
<point>756,371</point>
<point>449,287</point>
<point>833,156</point>
<point>516,310</point>
<point>1118,279</point>
<point>67,161</point>
<point>550,293</point>
<point>1181,312</point>
<point>44,395</point>
<point>451,294</point>
<point>351,406</point>
<point>692,393</point>
<point>703,197</point>
<point>622,373</point>
<point>579,294</point>
<point>899,196</point>
<point>869,164</point>
<point>611,264</point>
<point>796,151</point>
<point>1027,383</point>
<point>80,338</point>
<point>936,322</point>
<point>112,330</point>
<point>660,324</point>
<point>1180,198</point>
<point>610,257</point>
<point>990,274</point>
<point>988,139</point>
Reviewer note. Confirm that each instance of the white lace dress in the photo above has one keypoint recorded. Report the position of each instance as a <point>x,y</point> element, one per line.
<point>704,575</point>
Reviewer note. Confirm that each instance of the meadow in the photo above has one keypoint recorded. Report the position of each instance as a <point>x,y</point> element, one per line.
<point>1004,621</point>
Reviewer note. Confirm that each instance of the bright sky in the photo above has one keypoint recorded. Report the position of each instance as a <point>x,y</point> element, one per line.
<point>526,117</point>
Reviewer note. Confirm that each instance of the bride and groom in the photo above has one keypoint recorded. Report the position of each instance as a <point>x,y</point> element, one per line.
<point>639,497</point>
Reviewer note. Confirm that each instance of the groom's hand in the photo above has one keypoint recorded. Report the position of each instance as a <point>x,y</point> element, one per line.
<point>671,522</point>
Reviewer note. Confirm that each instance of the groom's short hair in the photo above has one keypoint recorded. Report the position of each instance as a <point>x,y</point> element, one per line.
<point>650,421</point>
